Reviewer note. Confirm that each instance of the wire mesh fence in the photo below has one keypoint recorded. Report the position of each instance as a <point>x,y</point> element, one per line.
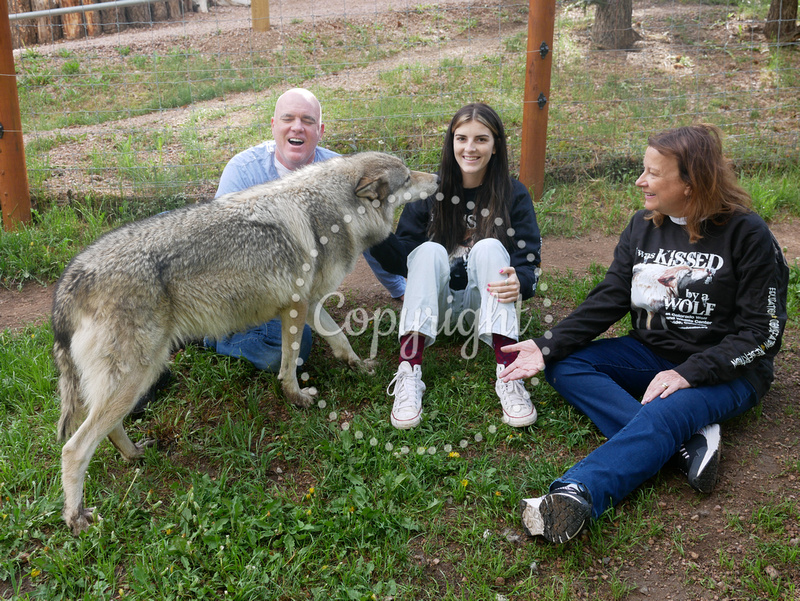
<point>155,108</point>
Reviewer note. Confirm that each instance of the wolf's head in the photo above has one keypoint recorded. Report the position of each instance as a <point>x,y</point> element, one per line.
<point>386,181</point>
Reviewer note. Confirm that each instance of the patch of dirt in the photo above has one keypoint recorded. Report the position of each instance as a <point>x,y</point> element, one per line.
<point>32,303</point>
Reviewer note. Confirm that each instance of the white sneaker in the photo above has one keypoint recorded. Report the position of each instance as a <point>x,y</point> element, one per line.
<point>407,392</point>
<point>518,411</point>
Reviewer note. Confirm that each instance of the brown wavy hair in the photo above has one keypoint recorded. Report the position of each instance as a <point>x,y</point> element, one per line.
<point>715,193</point>
<point>447,226</point>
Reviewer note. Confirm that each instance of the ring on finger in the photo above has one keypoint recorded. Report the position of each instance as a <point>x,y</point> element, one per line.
<point>664,385</point>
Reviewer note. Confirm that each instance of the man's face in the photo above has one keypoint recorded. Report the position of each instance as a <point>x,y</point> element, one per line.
<point>296,129</point>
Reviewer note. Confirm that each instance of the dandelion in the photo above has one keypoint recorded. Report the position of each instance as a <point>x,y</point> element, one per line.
<point>464,483</point>
<point>168,531</point>
<point>308,512</point>
<point>454,454</point>
<point>311,490</point>
<point>497,493</point>
<point>352,509</point>
<point>35,572</point>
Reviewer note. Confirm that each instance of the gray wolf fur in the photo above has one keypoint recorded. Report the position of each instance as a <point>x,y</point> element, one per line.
<point>210,269</point>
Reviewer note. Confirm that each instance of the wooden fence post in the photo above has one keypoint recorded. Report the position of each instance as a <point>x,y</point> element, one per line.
<point>259,15</point>
<point>15,195</point>
<point>541,24</point>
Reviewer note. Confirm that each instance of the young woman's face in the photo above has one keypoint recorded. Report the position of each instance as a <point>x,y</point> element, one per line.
<point>473,145</point>
<point>664,190</point>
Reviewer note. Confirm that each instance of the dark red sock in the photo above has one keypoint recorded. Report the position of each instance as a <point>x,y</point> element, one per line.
<point>411,347</point>
<point>498,342</point>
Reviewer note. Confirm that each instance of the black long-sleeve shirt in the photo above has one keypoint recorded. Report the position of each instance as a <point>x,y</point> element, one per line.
<point>717,307</point>
<point>412,230</point>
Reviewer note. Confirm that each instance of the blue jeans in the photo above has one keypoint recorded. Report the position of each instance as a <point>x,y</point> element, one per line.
<point>394,284</point>
<point>260,345</point>
<point>605,381</point>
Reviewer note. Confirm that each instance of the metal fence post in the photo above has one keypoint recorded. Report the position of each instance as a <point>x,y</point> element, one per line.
<point>541,24</point>
<point>15,195</point>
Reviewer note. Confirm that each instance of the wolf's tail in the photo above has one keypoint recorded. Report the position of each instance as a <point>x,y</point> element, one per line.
<point>69,379</point>
<point>69,389</point>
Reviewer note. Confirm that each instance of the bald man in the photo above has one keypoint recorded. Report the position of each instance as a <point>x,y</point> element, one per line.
<point>297,128</point>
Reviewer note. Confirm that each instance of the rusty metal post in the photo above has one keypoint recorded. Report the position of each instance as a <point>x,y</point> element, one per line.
<point>15,195</point>
<point>541,24</point>
<point>259,15</point>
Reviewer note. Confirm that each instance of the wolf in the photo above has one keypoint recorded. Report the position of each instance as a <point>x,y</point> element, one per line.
<point>210,269</point>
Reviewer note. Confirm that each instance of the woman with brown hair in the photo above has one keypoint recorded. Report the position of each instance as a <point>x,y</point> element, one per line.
<point>705,283</point>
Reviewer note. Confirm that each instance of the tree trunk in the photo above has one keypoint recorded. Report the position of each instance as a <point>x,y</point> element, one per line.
<point>23,32</point>
<point>113,19</point>
<point>73,22</point>
<point>612,29</point>
<point>781,22</point>
<point>175,10</point>
<point>159,11</point>
<point>139,15</point>
<point>48,28</point>
<point>94,25</point>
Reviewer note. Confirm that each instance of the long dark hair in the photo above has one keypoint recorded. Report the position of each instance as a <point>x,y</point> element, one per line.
<point>715,193</point>
<point>448,226</point>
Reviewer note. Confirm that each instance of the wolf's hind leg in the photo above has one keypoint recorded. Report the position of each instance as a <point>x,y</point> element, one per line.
<point>104,418</point>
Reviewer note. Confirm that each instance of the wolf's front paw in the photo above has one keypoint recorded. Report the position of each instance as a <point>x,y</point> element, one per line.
<point>366,366</point>
<point>82,519</point>
<point>302,397</point>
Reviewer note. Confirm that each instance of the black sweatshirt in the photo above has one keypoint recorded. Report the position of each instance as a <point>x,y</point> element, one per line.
<point>412,230</point>
<point>717,307</point>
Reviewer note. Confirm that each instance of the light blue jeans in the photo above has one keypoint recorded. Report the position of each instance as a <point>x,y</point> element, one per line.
<point>606,380</point>
<point>261,345</point>
<point>430,306</point>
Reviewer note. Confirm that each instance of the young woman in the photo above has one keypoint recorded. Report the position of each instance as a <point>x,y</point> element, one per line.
<point>705,283</point>
<point>468,252</point>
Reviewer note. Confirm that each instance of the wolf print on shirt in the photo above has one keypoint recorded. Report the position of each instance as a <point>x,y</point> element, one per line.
<point>670,288</point>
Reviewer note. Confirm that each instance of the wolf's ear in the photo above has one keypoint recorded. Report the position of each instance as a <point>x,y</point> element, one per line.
<point>372,188</point>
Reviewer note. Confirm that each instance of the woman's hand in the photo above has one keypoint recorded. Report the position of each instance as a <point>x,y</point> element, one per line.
<point>507,290</point>
<point>529,361</point>
<point>664,384</point>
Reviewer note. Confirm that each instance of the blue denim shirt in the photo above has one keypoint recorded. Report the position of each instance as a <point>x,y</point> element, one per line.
<point>255,166</point>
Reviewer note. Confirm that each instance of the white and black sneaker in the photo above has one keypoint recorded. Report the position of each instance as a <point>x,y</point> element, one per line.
<point>699,458</point>
<point>559,516</point>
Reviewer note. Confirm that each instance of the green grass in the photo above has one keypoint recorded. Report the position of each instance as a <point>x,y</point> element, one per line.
<point>250,498</point>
